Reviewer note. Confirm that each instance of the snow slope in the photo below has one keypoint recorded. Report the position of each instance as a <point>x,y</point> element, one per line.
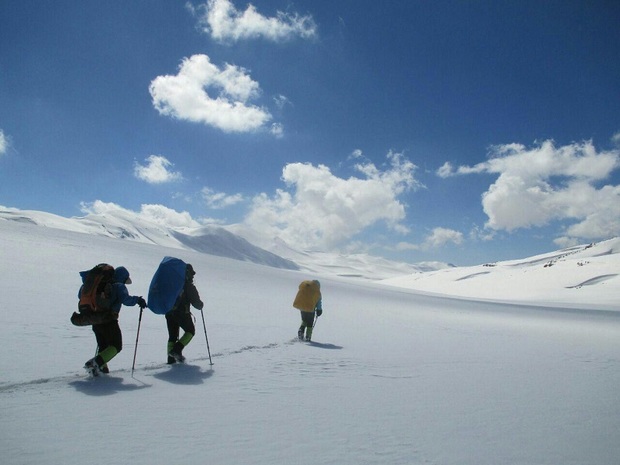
<point>579,276</point>
<point>394,377</point>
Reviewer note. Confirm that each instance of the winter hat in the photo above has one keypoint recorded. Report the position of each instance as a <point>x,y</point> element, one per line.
<point>121,275</point>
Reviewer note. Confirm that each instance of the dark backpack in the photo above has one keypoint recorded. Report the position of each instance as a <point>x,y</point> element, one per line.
<point>96,293</point>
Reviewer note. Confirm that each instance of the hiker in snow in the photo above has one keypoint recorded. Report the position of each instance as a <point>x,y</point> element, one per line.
<point>181,317</point>
<point>108,333</point>
<point>308,301</point>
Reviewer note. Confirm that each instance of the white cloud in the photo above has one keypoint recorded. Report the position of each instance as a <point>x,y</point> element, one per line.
<point>277,130</point>
<point>357,153</point>
<point>546,183</point>
<point>566,242</point>
<point>447,170</point>
<point>323,210</point>
<point>442,236</point>
<point>4,143</point>
<point>482,234</point>
<point>616,138</point>
<point>219,200</point>
<point>439,237</point>
<point>154,213</point>
<point>225,23</point>
<point>156,170</point>
<point>203,93</point>
<point>281,101</point>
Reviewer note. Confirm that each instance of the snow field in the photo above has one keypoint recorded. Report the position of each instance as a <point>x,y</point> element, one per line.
<point>393,376</point>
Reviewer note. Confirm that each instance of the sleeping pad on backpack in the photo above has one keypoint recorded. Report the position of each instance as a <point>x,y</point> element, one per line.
<point>166,285</point>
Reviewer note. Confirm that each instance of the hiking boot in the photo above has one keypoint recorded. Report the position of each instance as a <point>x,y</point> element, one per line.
<point>300,333</point>
<point>104,369</point>
<point>171,360</point>
<point>92,367</point>
<point>307,338</point>
<point>176,356</point>
<point>176,353</point>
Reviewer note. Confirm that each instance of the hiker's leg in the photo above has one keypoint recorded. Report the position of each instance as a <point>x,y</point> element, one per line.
<point>187,324</point>
<point>100,337</point>
<point>173,334</point>
<point>110,341</point>
<point>307,321</point>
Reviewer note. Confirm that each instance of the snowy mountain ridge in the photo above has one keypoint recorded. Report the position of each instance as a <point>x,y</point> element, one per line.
<point>577,275</point>
<point>230,242</point>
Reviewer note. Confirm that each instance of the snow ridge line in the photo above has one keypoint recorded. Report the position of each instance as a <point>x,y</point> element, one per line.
<point>591,281</point>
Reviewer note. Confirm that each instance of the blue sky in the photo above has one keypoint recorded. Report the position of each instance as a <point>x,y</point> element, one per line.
<point>464,132</point>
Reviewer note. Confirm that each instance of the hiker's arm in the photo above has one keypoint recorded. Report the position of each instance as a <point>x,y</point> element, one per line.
<point>194,297</point>
<point>125,298</point>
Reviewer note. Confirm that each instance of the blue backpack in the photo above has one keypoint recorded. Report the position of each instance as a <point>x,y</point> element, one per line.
<point>166,285</point>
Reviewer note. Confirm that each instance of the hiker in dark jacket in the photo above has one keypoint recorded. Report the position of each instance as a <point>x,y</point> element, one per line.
<point>180,317</point>
<point>108,334</point>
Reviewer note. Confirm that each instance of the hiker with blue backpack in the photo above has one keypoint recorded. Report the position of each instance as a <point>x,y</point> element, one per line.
<point>180,317</point>
<point>172,292</point>
<point>111,296</point>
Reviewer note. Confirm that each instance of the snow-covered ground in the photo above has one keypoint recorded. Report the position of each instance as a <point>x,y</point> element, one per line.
<point>395,376</point>
<point>583,275</point>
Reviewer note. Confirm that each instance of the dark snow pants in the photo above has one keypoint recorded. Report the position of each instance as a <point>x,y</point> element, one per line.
<point>307,319</point>
<point>176,320</point>
<point>109,334</point>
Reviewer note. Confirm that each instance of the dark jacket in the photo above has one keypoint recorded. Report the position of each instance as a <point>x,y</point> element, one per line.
<point>189,296</point>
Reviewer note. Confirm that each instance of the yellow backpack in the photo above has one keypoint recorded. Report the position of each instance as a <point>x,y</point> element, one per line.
<point>308,295</point>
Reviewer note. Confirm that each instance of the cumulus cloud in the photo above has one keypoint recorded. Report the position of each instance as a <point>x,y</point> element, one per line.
<point>219,200</point>
<point>546,183</point>
<point>156,171</point>
<point>225,23</point>
<point>442,236</point>
<point>321,210</point>
<point>154,213</point>
<point>202,92</point>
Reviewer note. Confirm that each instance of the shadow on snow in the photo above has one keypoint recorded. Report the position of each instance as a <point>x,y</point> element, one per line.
<point>184,374</point>
<point>104,386</point>
<point>322,345</point>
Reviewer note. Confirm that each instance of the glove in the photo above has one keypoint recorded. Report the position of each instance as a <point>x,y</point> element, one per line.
<point>141,302</point>
<point>319,312</point>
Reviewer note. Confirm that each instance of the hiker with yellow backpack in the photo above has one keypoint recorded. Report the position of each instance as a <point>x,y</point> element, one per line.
<point>309,302</point>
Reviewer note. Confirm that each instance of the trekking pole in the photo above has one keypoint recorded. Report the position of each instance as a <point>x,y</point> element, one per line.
<point>204,325</point>
<point>137,336</point>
